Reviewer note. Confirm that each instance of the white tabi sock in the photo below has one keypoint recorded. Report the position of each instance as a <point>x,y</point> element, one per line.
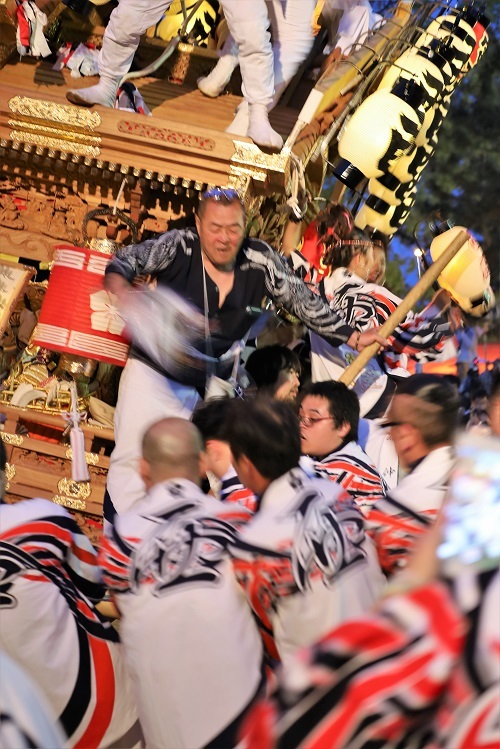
<point>215,82</point>
<point>103,93</point>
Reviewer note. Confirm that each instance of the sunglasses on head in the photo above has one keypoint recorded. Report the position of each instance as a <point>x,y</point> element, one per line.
<point>221,193</point>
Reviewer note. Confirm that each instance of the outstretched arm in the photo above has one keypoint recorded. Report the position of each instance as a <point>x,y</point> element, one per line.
<point>146,258</point>
<point>291,292</point>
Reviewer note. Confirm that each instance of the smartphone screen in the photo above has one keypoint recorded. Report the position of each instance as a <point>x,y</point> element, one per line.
<point>471,529</point>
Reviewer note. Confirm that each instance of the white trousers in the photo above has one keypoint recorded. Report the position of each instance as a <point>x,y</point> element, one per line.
<point>266,69</point>
<point>129,20</point>
<point>144,397</point>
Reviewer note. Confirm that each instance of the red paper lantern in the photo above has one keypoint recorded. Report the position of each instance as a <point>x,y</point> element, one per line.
<point>78,315</point>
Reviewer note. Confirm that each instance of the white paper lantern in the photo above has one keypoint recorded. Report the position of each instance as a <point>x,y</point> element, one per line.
<point>385,189</point>
<point>408,167</point>
<point>423,70</point>
<point>459,36</point>
<point>467,276</point>
<point>378,215</point>
<point>390,189</point>
<point>380,131</point>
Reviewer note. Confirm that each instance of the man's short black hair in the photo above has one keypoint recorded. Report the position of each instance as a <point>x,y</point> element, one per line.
<point>265,364</point>
<point>210,418</point>
<point>343,404</point>
<point>267,432</point>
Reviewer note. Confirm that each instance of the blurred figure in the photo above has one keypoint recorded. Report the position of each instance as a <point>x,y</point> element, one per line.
<point>210,418</point>
<point>49,624</point>
<point>349,257</point>
<point>304,559</point>
<point>494,407</point>
<point>276,372</point>
<point>422,419</point>
<point>25,718</point>
<point>329,418</point>
<point>479,421</point>
<point>422,670</point>
<point>467,340</point>
<point>189,637</point>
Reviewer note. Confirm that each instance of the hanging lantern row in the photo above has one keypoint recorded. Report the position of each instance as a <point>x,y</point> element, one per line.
<point>392,135</point>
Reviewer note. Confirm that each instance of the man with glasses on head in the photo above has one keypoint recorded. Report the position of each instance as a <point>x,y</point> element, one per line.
<point>422,419</point>
<point>222,274</point>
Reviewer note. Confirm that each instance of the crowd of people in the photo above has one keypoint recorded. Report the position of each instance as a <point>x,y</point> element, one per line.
<point>270,572</point>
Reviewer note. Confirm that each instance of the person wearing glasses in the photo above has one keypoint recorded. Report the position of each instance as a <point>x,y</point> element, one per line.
<point>329,418</point>
<point>422,420</point>
<point>304,559</point>
<point>224,275</point>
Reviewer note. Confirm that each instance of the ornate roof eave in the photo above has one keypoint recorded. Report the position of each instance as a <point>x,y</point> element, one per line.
<point>109,145</point>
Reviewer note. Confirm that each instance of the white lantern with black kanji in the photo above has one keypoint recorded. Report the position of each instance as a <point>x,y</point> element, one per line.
<point>458,35</point>
<point>378,215</point>
<point>381,130</point>
<point>419,66</point>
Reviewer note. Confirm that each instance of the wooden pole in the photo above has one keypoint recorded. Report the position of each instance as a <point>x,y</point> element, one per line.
<point>425,282</point>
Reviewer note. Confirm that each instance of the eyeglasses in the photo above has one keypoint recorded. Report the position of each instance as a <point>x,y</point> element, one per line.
<point>221,193</point>
<point>308,421</point>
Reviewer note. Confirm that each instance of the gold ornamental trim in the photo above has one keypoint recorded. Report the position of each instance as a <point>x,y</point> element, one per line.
<point>48,142</point>
<point>74,489</point>
<point>67,115</point>
<point>71,504</point>
<point>12,439</point>
<point>57,127</point>
<point>250,155</point>
<point>91,458</point>
<point>10,472</point>
<point>72,136</point>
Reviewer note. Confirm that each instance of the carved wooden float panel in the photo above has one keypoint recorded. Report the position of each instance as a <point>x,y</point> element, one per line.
<point>183,142</point>
<point>42,468</point>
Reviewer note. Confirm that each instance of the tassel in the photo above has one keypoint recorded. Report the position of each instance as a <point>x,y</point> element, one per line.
<point>79,468</point>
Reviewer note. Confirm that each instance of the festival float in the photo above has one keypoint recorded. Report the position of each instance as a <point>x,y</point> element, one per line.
<point>77,183</point>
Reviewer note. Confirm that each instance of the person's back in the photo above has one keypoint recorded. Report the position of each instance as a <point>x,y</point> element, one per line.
<point>307,564</point>
<point>304,559</point>
<point>190,641</point>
